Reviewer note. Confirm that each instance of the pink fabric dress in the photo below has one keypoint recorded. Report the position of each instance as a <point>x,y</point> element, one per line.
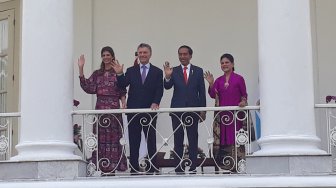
<point>229,95</point>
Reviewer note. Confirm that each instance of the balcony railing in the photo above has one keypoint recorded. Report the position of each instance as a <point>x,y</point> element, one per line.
<point>207,161</point>
<point>7,121</point>
<point>211,158</point>
<point>327,115</point>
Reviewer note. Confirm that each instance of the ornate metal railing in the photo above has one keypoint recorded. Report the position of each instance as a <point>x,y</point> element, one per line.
<point>330,121</point>
<point>211,157</point>
<point>327,114</point>
<point>7,120</point>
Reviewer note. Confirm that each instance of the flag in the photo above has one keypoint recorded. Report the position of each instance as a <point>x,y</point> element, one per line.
<point>258,125</point>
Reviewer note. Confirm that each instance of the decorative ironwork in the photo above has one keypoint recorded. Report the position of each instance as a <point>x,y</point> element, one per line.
<point>230,161</point>
<point>241,166</point>
<point>228,118</point>
<point>4,144</point>
<point>7,121</point>
<point>91,169</point>
<point>4,122</point>
<point>330,121</point>
<point>91,142</point>
<point>242,137</point>
<point>333,136</point>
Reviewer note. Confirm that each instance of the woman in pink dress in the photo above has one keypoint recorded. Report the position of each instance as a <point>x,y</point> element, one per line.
<point>230,90</point>
<point>103,83</point>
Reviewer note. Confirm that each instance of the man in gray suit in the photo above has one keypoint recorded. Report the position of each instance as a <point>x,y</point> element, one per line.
<point>189,91</point>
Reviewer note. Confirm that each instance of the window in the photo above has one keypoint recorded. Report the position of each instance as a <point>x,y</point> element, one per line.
<point>6,59</point>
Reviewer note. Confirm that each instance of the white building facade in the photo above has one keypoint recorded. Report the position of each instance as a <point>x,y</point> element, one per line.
<point>283,49</point>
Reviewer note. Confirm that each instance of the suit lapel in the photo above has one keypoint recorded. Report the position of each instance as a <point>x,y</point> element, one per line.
<point>180,73</point>
<point>191,74</point>
<point>137,73</point>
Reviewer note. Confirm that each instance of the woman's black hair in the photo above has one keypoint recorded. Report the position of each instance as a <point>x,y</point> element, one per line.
<point>229,57</point>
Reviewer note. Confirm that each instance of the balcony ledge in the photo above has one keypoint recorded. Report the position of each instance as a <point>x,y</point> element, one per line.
<point>320,180</point>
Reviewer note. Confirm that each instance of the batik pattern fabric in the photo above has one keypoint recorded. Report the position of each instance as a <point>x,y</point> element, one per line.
<point>216,131</point>
<point>228,93</point>
<point>109,127</point>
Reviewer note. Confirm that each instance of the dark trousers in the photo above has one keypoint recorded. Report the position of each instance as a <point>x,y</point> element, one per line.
<point>137,123</point>
<point>190,122</point>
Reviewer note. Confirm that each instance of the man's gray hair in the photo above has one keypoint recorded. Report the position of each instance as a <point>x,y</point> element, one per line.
<point>144,45</point>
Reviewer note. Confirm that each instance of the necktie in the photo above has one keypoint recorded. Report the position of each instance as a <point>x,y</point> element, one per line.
<point>185,74</point>
<point>143,73</point>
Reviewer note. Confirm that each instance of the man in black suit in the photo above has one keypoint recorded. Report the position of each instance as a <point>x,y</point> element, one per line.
<point>189,91</point>
<point>145,83</point>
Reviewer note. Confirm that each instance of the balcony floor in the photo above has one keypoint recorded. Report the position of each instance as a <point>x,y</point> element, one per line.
<point>185,181</point>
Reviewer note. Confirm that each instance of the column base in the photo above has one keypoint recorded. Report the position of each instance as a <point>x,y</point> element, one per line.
<point>56,169</point>
<point>45,151</point>
<point>279,145</point>
<point>289,165</point>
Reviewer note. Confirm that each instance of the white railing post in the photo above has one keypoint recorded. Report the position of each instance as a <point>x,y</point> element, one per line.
<point>6,128</point>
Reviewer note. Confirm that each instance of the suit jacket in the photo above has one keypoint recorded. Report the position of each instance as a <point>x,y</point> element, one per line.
<point>142,95</point>
<point>191,94</point>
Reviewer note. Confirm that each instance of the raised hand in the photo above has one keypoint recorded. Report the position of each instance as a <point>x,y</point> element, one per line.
<point>167,70</point>
<point>209,77</point>
<point>243,102</point>
<point>81,61</point>
<point>155,106</point>
<point>117,67</point>
<point>123,102</point>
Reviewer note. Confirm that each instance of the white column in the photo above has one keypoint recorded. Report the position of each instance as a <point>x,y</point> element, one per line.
<point>286,79</point>
<point>46,81</point>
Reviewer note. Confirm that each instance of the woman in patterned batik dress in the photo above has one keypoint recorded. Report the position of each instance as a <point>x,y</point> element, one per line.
<point>103,83</point>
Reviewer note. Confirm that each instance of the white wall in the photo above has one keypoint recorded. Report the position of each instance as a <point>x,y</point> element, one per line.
<point>326,45</point>
<point>210,28</point>
<point>83,39</point>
